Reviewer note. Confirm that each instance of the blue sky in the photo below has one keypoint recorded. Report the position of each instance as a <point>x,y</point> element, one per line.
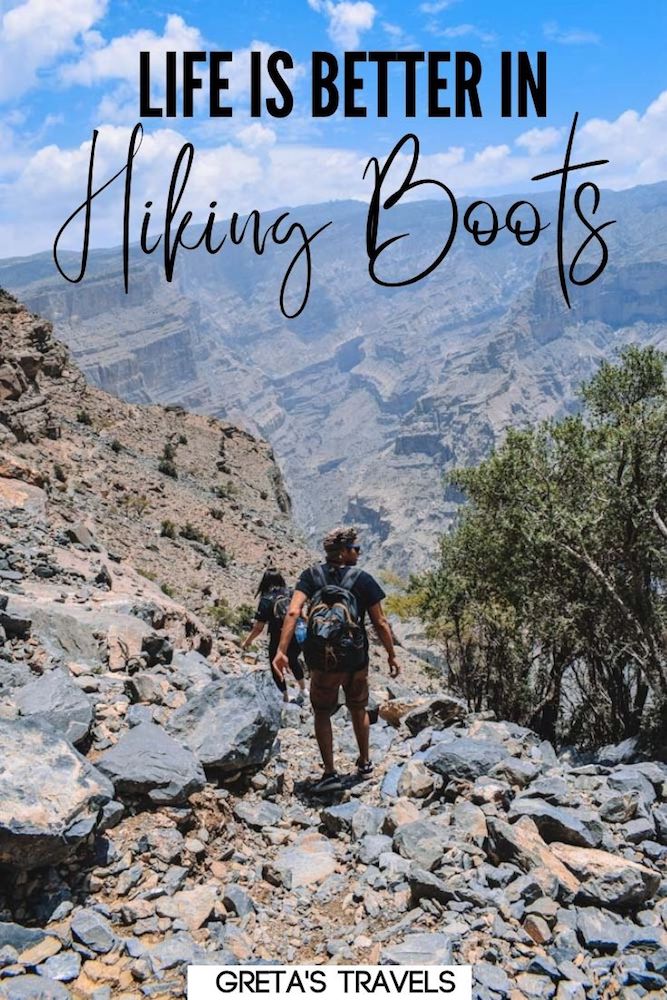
<point>70,67</point>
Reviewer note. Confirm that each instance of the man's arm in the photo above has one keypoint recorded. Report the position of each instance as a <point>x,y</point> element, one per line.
<point>280,660</point>
<point>381,626</point>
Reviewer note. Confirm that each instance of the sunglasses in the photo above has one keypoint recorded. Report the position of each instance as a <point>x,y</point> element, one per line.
<point>353,548</point>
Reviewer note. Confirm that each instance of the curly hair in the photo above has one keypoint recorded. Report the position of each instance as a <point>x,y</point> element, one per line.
<point>339,539</point>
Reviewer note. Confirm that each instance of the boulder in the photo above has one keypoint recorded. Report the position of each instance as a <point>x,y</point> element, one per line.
<point>608,880</point>
<point>521,844</point>
<point>80,534</point>
<point>419,949</point>
<point>150,689</point>
<point>600,931</point>
<point>338,819</point>
<point>580,827</point>
<point>463,757</point>
<point>629,778</point>
<point>258,814</point>
<point>231,725</point>
<point>437,713</point>
<point>371,846</point>
<point>191,906</point>
<point>19,937</point>
<point>470,822</point>
<point>158,649</point>
<point>416,780</point>
<point>423,842</point>
<point>619,808</point>
<point>309,861</point>
<point>399,812</point>
<point>56,699</point>
<point>92,929</point>
<point>516,771</point>
<point>64,967</point>
<point>425,885</point>
<point>147,761</point>
<point>33,988</point>
<point>237,900</point>
<point>191,671</point>
<point>618,753</point>
<point>638,830</point>
<point>51,798</point>
<point>367,821</point>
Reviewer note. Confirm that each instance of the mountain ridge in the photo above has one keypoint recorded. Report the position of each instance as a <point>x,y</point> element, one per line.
<point>372,393</point>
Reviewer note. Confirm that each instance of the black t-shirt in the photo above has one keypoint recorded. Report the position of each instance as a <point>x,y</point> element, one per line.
<point>366,589</point>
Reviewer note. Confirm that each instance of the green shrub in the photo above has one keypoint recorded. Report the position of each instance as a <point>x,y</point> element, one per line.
<point>116,446</point>
<point>168,529</point>
<point>220,555</point>
<point>239,619</point>
<point>83,417</point>
<point>221,613</point>
<point>193,534</point>
<point>225,491</point>
<point>167,468</point>
<point>244,617</point>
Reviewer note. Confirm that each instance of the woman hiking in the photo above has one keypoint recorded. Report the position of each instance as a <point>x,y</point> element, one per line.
<point>274,599</point>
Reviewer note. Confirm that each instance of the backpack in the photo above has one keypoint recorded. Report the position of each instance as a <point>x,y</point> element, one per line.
<point>280,601</point>
<point>335,639</point>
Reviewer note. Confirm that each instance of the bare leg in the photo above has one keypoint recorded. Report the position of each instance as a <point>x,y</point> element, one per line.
<point>302,684</point>
<point>361,726</point>
<point>324,737</point>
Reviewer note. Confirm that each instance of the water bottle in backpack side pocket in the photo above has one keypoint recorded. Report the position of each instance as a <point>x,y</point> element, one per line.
<point>301,630</point>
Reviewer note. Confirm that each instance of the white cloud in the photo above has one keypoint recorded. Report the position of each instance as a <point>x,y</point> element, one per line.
<point>538,140</point>
<point>635,144</point>
<point>435,7</point>
<point>348,19</point>
<point>118,59</point>
<point>35,34</point>
<point>394,31</point>
<point>570,36</point>
<point>461,30</point>
<point>257,135</point>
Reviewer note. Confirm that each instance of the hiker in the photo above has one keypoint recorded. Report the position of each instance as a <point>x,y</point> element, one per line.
<point>274,600</point>
<point>336,644</point>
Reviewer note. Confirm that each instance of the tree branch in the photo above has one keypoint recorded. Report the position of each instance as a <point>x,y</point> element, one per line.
<point>662,527</point>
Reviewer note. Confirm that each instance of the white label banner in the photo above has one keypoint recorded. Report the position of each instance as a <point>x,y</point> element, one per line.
<point>329,982</point>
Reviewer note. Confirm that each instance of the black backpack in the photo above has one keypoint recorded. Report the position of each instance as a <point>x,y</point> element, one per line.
<point>280,599</point>
<point>335,638</point>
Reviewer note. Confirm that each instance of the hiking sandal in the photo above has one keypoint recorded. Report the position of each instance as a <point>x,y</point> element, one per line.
<point>327,783</point>
<point>364,770</point>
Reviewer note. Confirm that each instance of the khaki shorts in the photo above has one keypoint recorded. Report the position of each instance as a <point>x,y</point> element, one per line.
<point>324,689</point>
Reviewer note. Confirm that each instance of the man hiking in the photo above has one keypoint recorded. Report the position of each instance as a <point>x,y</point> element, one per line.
<point>336,644</point>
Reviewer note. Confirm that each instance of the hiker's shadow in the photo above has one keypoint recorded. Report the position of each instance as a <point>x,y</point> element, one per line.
<point>347,791</point>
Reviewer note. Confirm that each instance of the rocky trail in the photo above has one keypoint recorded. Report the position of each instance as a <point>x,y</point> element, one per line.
<point>155,808</point>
